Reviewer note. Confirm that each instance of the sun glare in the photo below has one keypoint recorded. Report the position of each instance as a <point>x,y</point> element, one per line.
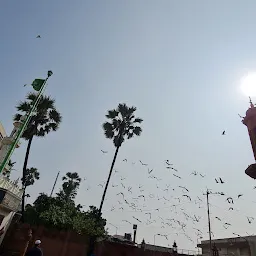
<point>248,85</point>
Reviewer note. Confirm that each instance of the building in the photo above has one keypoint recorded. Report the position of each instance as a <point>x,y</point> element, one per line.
<point>236,246</point>
<point>10,192</point>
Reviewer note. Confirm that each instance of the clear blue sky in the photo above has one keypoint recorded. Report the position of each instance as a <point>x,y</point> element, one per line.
<point>179,62</point>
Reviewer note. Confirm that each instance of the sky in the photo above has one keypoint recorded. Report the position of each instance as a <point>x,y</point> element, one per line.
<point>180,63</point>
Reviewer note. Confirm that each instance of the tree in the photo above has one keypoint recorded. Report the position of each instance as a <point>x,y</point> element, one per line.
<point>70,186</point>
<point>7,173</point>
<point>122,125</point>
<point>62,213</point>
<point>31,175</point>
<point>44,120</point>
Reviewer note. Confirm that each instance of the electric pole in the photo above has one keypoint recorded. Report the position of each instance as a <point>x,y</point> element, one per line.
<point>209,221</point>
<point>55,183</point>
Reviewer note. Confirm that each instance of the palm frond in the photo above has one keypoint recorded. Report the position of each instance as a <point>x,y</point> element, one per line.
<point>112,114</point>
<point>31,97</point>
<point>17,117</point>
<point>55,116</point>
<point>123,109</point>
<point>23,107</point>
<point>138,120</point>
<point>109,134</point>
<point>107,126</point>
<point>137,130</point>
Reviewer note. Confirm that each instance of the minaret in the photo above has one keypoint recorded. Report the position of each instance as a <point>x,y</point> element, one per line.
<point>6,142</point>
<point>250,121</point>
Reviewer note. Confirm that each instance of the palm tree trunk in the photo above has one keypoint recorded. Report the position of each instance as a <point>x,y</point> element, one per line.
<point>109,176</point>
<point>23,177</point>
<point>92,240</point>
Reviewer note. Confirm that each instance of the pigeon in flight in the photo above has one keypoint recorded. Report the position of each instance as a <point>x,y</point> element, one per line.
<point>127,221</point>
<point>224,133</point>
<point>250,219</point>
<point>184,188</point>
<point>38,36</point>
<point>230,200</point>
<point>239,195</point>
<point>176,176</point>
<point>149,171</point>
<point>104,152</point>
<point>148,214</point>
<point>143,163</point>
<point>218,218</point>
<point>137,219</point>
<point>187,197</point>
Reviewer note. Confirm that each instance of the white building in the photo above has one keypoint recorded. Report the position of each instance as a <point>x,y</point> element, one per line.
<point>235,246</point>
<point>10,192</point>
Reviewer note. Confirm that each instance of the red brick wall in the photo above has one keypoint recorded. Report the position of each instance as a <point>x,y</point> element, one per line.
<point>65,243</point>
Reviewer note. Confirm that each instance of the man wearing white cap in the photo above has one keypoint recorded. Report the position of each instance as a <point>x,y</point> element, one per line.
<point>36,250</point>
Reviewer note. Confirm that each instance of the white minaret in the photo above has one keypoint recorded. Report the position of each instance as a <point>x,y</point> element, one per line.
<point>7,141</point>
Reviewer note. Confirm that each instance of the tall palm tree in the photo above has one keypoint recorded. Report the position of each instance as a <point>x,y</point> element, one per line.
<point>122,124</point>
<point>44,120</point>
<point>70,186</point>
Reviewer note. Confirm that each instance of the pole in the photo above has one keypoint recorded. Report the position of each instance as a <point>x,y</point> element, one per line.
<point>114,227</point>
<point>23,127</point>
<point>55,183</point>
<point>209,221</point>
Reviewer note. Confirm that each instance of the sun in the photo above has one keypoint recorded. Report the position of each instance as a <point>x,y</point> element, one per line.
<point>248,84</point>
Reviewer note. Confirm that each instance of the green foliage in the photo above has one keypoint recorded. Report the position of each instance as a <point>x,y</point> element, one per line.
<point>44,120</point>
<point>70,186</point>
<point>62,213</point>
<point>122,124</point>
<point>31,175</point>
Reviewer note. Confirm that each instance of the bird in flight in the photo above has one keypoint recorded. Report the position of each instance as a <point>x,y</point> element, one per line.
<point>226,225</point>
<point>148,214</point>
<point>230,200</point>
<point>104,152</point>
<point>250,219</point>
<point>176,176</point>
<point>38,36</point>
<point>218,218</point>
<point>137,219</point>
<point>142,196</point>
<point>143,163</point>
<point>149,171</point>
<point>100,185</point>
<point>184,188</point>
<point>125,160</point>
<point>194,173</point>
<point>121,193</point>
<point>167,162</point>
<point>187,197</point>
<point>127,221</point>
<point>224,133</point>
<point>239,195</point>
<point>219,180</point>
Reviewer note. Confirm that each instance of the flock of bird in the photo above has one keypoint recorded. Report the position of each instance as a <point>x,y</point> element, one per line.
<point>170,207</point>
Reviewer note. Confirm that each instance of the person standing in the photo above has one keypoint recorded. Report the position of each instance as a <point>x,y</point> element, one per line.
<point>36,250</point>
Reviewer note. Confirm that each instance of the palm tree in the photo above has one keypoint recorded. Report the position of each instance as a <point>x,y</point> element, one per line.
<point>44,120</point>
<point>31,176</point>
<point>70,186</point>
<point>122,125</point>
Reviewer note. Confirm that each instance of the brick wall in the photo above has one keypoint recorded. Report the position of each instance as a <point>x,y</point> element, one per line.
<point>65,243</point>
